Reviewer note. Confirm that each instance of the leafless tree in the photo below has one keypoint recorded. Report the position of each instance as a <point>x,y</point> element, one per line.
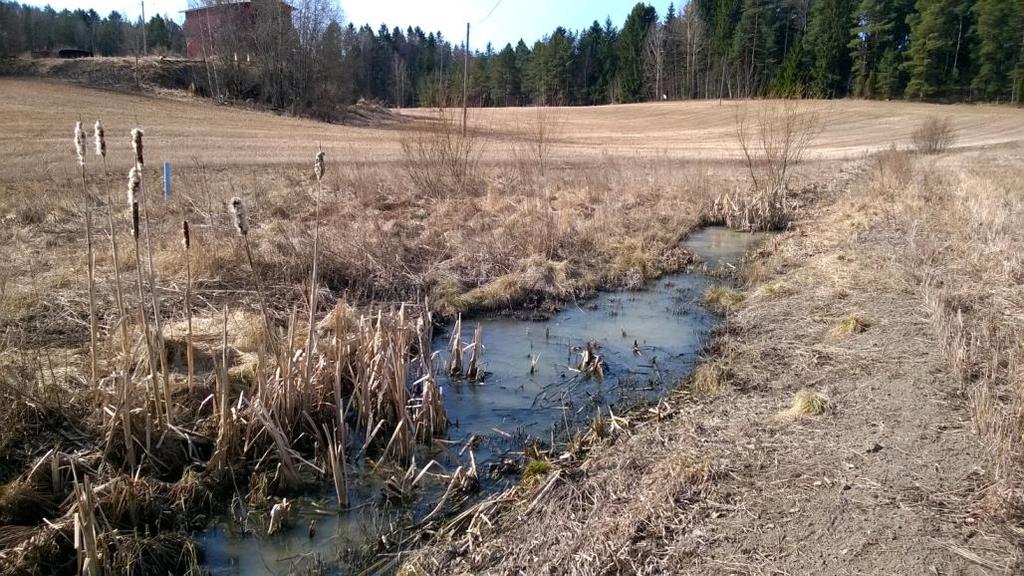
<point>776,140</point>
<point>654,58</point>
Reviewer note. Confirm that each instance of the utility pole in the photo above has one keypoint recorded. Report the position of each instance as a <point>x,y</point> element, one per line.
<point>465,82</point>
<point>145,47</point>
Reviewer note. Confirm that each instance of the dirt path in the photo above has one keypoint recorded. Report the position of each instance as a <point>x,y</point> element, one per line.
<point>887,481</point>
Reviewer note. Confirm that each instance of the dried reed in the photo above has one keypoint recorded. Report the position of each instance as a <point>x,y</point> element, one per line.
<point>134,191</point>
<point>240,217</point>
<point>160,349</point>
<point>318,171</point>
<point>91,264</point>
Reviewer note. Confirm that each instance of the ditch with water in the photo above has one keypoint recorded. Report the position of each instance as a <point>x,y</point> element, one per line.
<point>648,341</point>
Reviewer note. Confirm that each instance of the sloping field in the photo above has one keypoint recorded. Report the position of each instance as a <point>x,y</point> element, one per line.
<point>36,115</point>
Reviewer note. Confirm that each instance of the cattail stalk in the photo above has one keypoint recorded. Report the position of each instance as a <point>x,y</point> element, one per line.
<point>134,187</point>
<point>187,245</point>
<point>93,330</point>
<point>241,220</point>
<point>318,171</point>
<point>101,151</point>
<point>158,336</point>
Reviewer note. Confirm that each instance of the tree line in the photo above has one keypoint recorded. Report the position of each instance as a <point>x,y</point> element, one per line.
<point>25,28</point>
<point>968,50</point>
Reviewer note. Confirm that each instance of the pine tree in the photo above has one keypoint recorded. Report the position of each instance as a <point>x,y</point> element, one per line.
<point>999,32</point>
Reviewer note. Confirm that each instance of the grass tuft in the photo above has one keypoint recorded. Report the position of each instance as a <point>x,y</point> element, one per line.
<point>536,469</point>
<point>853,324</point>
<point>708,379</point>
<point>722,298</point>
<point>806,403</point>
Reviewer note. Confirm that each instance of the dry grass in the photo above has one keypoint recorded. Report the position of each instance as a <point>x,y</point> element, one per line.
<point>963,250</point>
<point>806,403</point>
<point>477,233</point>
<point>708,379</point>
<point>852,324</point>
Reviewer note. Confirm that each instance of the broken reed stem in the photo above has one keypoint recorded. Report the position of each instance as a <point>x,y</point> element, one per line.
<point>86,532</point>
<point>187,245</point>
<point>318,169</point>
<point>223,378</point>
<point>335,444</point>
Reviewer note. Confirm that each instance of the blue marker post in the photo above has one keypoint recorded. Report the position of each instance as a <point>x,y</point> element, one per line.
<point>167,180</point>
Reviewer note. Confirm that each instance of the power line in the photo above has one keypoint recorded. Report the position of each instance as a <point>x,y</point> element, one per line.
<point>496,4</point>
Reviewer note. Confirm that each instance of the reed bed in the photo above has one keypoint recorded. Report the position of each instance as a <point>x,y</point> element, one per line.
<point>289,412</point>
<point>238,349</point>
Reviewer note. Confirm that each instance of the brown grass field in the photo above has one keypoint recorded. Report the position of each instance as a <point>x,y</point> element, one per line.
<point>890,307</point>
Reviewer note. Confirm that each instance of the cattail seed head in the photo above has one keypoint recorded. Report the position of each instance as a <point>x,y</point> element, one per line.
<point>80,143</point>
<point>185,239</point>
<point>318,165</point>
<point>100,141</point>
<point>241,217</point>
<point>137,146</point>
<point>134,182</point>
<point>135,220</point>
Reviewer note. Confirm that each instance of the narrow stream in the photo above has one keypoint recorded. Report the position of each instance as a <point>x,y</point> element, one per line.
<point>648,340</point>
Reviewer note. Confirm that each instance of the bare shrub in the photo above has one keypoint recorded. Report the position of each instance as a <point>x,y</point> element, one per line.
<point>934,136</point>
<point>442,160</point>
<point>771,146</point>
<point>537,139</point>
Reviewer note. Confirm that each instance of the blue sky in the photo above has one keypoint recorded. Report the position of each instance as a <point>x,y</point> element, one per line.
<point>510,20</point>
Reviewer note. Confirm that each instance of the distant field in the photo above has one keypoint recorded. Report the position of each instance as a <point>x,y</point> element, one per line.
<point>36,117</point>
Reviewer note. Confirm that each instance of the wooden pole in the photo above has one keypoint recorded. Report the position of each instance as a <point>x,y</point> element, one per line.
<point>145,47</point>
<point>465,82</point>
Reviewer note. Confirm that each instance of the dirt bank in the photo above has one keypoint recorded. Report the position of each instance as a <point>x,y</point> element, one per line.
<point>726,477</point>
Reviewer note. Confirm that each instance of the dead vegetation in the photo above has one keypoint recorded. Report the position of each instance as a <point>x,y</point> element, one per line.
<point>212,378</point>
<point>962,249</point>
<point>278,401</point>
<point>934,136</point>
<point>776,460</point>
<point>772,146</point>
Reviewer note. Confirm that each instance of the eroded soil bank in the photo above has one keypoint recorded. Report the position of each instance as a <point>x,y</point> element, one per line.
<point>726,477</point>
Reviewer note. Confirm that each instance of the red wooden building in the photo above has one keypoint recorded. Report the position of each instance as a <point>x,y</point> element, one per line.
<point>203,24</point>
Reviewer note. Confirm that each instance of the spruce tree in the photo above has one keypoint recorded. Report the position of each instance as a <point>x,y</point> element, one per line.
<point>999,32</point>
<point>880,31</point>
<point>935,58</point>
<point>631,52</point>
<point>826,44</point>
